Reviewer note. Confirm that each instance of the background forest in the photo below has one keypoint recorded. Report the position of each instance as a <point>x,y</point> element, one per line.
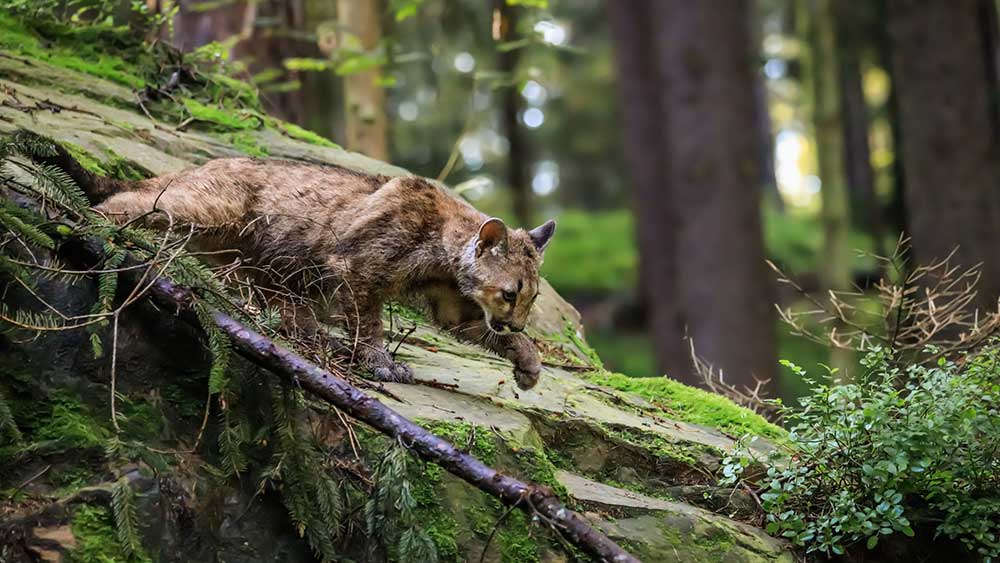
<point>776,199</point>
<point>679,144</point>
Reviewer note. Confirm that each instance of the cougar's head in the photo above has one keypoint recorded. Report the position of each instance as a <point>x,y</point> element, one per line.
<point>503,272</point>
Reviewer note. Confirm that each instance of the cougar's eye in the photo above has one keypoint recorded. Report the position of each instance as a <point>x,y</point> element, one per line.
<point>510,296</point>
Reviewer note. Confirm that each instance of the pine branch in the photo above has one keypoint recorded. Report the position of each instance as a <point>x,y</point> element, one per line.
<point>126,519</point>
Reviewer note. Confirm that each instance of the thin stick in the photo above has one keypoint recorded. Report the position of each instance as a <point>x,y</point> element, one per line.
<point>114,363</point>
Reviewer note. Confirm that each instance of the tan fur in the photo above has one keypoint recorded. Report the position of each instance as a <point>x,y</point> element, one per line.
<point>355,241</point>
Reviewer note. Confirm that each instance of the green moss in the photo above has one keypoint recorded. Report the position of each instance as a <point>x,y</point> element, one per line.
<point>141,420</point>
<point>71,479</point>
<point>428,492</point>
<point>71,51</point>
<point>404,312</point>
<point>246,143</point>
<point>14,37</point>
<point>479,442</point>
<point>124,169</point>
<point>113,166</point>
<point>689,404</point>
<point>97,542</point>
<point>516,543</point>
<point>443,530</point>
<point>296,132</point>
<point>655,444</point>
<point>87,160</point>
<point>72,423</point>
<point>224,118</point>
<point>240,92</point>
<point>111,68</point>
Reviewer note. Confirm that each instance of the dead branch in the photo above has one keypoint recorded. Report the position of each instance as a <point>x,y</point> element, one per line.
<point>933,306</point>
<point>295,370</point>
<point>715,382</point>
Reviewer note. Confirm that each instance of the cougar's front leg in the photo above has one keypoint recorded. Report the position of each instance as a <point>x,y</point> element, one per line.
<point>363,325</point>
<point>517,348</point>
<point>464,319</point>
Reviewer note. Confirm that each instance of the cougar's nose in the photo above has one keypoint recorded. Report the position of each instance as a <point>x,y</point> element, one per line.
<point>516,328</point>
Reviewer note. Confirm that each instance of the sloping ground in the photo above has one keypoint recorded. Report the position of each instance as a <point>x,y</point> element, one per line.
<point>626,460</point>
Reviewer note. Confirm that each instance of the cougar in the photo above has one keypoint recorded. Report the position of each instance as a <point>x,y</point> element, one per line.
<point>351,242</point>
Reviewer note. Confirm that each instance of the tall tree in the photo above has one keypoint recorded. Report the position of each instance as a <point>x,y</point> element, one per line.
<point>853,27</point>
<point>505,18</point>
<point>824,85</point>
<point>708,234</point>
<point>946,88</point>
<point>365,117</point>
<point>645,144</point>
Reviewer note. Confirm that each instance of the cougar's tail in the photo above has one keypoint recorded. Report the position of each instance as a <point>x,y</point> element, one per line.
<point>46,151</point>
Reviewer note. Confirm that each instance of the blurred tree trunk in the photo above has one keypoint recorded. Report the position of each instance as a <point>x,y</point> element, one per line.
<point>946,89</point>
<point>765,164</point>
<point>702,226</point>
<point>852,25</point>
<point>645,146</point>
<point>505,19</point>
<point>263,46</point>
<point>705,57</point>
<point>824,84</point>
<point>896,212</point>
<point>365,117</point>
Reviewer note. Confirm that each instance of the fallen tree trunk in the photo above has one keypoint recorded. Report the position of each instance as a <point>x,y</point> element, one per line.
<point>262,351</point>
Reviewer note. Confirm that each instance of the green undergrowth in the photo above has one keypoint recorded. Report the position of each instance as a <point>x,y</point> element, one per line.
<point>692,405</point>
<point>95,50</point>
<point>301,134</point>
<point>111,166</point>
<point>98,540</point>
<point>207,99</point>
<point>460,518</point>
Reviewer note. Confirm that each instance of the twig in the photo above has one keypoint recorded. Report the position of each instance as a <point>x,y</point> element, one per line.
<point>493,532</point>
<point>114,363</point>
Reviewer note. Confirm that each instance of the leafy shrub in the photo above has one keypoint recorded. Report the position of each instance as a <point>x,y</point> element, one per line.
<point>901,448</point>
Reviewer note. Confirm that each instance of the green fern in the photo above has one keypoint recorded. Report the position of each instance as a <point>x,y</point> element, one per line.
<point>30,320</point>
<point>231,443</point>
<point>24,225</point>
<point>390,513</point>
<point>8,426</point>
<point>220,348</point>
<point>126,519</point>
<point>314,500</point>
<point>29,144</point>
<point>54,183</point>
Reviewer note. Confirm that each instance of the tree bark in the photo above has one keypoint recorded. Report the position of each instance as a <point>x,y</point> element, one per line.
<point>949,142</point>
<point>821,68</point>
<point>645,146</point>
<point>851,28</point>
<point>505,27</point>
<point>365,119</point>
<point>296,370</point>
<point>704,60</point>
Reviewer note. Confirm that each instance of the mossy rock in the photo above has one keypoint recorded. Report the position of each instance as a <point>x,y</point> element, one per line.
<point>647,436</point>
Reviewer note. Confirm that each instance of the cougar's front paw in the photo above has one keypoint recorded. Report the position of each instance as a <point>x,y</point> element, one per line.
<point>393,373</point>
<point>526,371</point>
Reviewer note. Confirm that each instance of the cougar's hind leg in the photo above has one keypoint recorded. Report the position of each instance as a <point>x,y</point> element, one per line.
<point>184,207</point>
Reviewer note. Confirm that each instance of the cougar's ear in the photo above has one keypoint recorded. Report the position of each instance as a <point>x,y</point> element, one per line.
<point>542,234</point>
<point>492,233</point>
